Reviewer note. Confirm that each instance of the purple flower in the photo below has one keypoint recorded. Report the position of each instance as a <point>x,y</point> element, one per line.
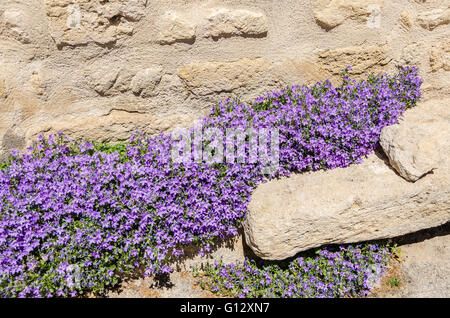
<point>73,209</point>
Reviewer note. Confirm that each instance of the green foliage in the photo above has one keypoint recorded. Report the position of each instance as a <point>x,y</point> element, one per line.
<point>120,148</point>
<point>329,272</point>
<point>4,165</point>
<point>394,282</point>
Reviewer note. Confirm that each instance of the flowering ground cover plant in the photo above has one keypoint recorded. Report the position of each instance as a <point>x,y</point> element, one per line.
<point>75,216</point>
<point>341,271</point>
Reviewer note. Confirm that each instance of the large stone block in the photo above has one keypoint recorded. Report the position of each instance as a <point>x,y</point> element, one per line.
<point>77,23</point>
<point>434,18</point>
<point>217,22</point>
<point>224,22</point>
<point>421,142</point>
<point>331,13</point>
<point>16,22</point>
<point>116,125</point>
<point>213,77</point>
<point>363,59</point>
<point>176,27</point>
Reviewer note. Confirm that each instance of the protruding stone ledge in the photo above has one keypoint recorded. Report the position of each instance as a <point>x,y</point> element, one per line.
<point>421,142</point>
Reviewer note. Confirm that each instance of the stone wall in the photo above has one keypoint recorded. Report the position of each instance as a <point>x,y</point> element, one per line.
<point>101,69</point>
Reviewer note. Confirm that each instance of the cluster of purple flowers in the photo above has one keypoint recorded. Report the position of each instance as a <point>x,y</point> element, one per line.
<point>325,127</point>
<point>333,272</point>
<point>74,218</point>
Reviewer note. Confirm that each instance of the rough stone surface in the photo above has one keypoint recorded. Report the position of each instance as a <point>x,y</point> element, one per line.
<point>103,79</point>
<point>176,27</point>
<point>89,67</point>
<point>440,56</point>
<point>421,142</point>
<point>3,90</point>
<point>412,54</point>
<point>116,125</point>
<point>209,77</point>
<point>145,81</point>
<point>363,59</point>
<point>405,19</point>
<point>331,13</point>
<point>103,22</point>
<point>224,22</point>
<point>358,203</point>
<point>14,20</point>
<point>434,18</point>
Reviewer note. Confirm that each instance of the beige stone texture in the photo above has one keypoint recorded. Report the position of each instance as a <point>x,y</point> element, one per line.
<point>405,19</point>
<point>145,81</point>
<point>331,13</point>
<point>116,125</point>
<point>214,77</point>
<point>363,59</point>
<point>434,18</point>
<point>229,251</point>
<point>440,56</point>
<point>223,22</point>
<point>421,142</point>
<point>78,22</point>
<point>176,27</point>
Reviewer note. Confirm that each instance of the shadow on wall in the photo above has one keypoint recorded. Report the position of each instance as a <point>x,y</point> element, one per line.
<point>423,235</point>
